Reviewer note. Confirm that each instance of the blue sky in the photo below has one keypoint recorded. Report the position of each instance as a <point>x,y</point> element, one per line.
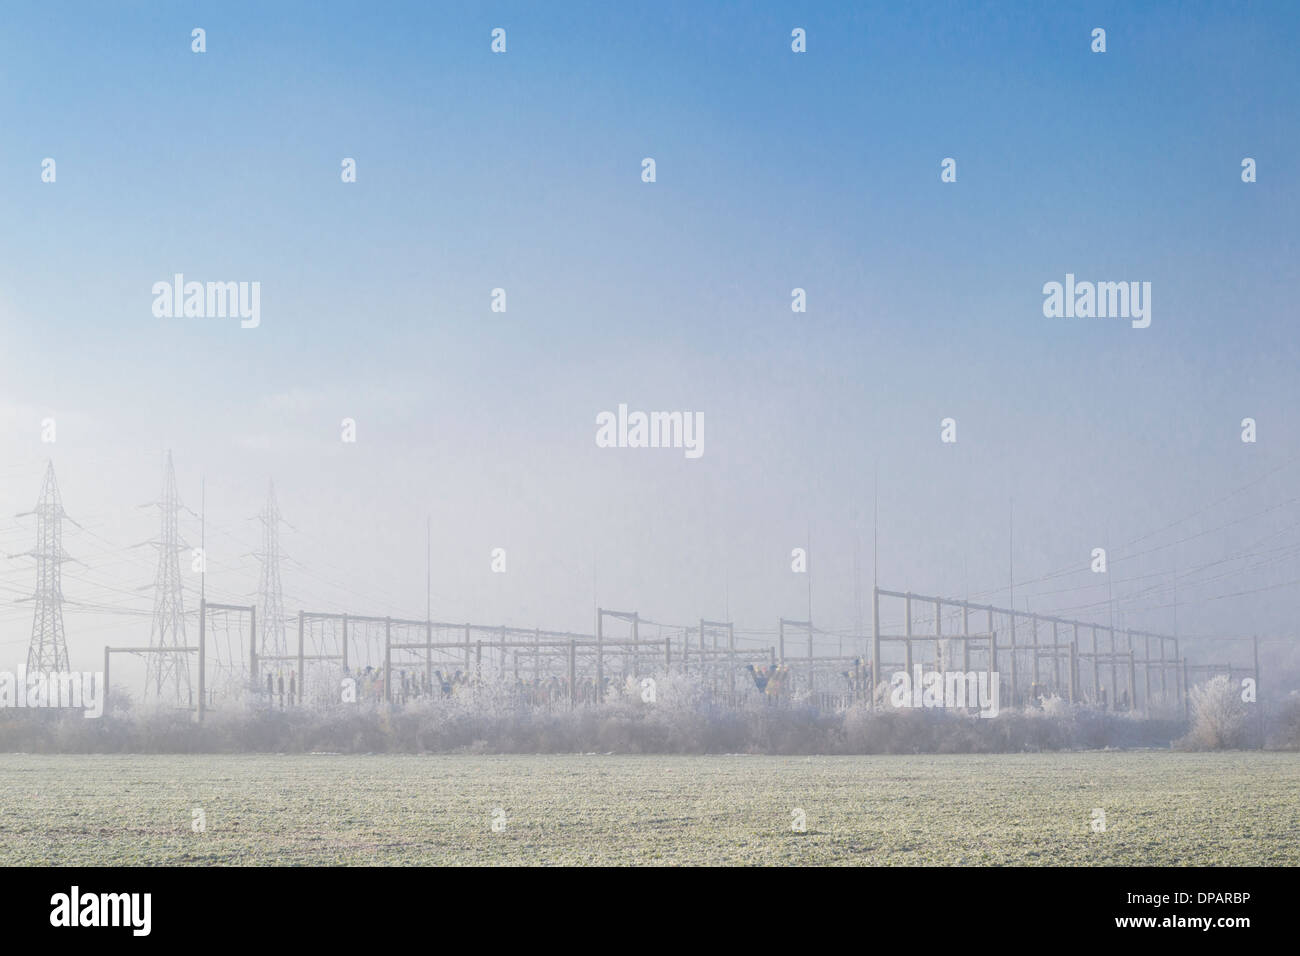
<point>775,170</point>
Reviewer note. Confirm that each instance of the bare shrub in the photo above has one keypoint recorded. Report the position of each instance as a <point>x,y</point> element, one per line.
<point>1285,733</point>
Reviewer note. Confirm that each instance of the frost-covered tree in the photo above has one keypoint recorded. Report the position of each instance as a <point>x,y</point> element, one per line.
<point>1218,716</point>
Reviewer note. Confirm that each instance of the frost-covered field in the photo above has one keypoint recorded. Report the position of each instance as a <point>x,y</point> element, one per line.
<point>1160,808</point>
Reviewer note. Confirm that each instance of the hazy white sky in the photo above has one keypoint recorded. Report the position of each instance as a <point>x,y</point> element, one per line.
<point>774,171</point>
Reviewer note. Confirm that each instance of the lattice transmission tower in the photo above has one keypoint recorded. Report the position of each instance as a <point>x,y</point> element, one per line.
<point>167,676</point>
<point>48,651</point>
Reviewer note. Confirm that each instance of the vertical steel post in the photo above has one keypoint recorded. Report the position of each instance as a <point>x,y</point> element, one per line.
<point>203,646</point>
